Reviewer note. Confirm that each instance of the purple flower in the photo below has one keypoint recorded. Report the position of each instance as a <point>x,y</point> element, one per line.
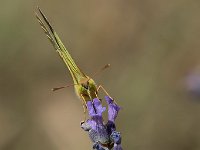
<point>116,138</point>
<point>113,109</point>
<point>104,136</point>
<point>193,83</point>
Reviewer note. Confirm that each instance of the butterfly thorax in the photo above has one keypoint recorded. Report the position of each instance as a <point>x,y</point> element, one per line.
<point>86,89</point>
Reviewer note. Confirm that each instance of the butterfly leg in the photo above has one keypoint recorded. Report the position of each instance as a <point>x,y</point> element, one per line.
<point>96,94</point>
<point>101,87</point>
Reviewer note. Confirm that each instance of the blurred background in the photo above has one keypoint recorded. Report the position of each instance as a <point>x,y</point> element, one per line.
<point>153,48</point>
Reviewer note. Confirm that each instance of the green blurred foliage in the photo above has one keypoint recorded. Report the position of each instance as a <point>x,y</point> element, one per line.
<point>151,46</point>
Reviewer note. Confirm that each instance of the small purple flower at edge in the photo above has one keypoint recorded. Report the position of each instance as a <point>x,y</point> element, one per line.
<point>113,109</point>
<point>103,136</point>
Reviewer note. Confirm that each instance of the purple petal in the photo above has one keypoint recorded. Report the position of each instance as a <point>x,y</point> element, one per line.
<point>92,124</point>
<point>98,106</point>
<point>99,135</point>
<point>95,108</point>
<point>117,147</point>
<point>90,108</point>
<point>96,119</point>
<point>116,137</point>
<point>113,109</point>
<point>110,127</point>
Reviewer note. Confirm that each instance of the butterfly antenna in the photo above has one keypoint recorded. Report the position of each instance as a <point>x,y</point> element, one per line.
<point>101,70</point>
<point>62,87</point>
<point>98,72</point>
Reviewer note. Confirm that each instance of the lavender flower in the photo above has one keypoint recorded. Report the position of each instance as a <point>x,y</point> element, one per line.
<point>103,136</point>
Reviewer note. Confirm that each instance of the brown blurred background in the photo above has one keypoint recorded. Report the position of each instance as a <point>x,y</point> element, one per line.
<point>151,46</point>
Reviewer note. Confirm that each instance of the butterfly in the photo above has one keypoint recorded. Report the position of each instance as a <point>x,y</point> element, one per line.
<point>85,87</point>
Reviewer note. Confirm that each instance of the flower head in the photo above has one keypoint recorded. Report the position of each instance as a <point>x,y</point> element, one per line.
<point>104,136</point>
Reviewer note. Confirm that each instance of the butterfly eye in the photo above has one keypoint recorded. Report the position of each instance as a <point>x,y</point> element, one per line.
<point>85,85</point>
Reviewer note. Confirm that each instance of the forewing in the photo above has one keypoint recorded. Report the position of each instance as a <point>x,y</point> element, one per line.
<point>60,48</point>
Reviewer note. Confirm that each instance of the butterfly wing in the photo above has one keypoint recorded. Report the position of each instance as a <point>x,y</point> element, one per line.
<point>75,71</point>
